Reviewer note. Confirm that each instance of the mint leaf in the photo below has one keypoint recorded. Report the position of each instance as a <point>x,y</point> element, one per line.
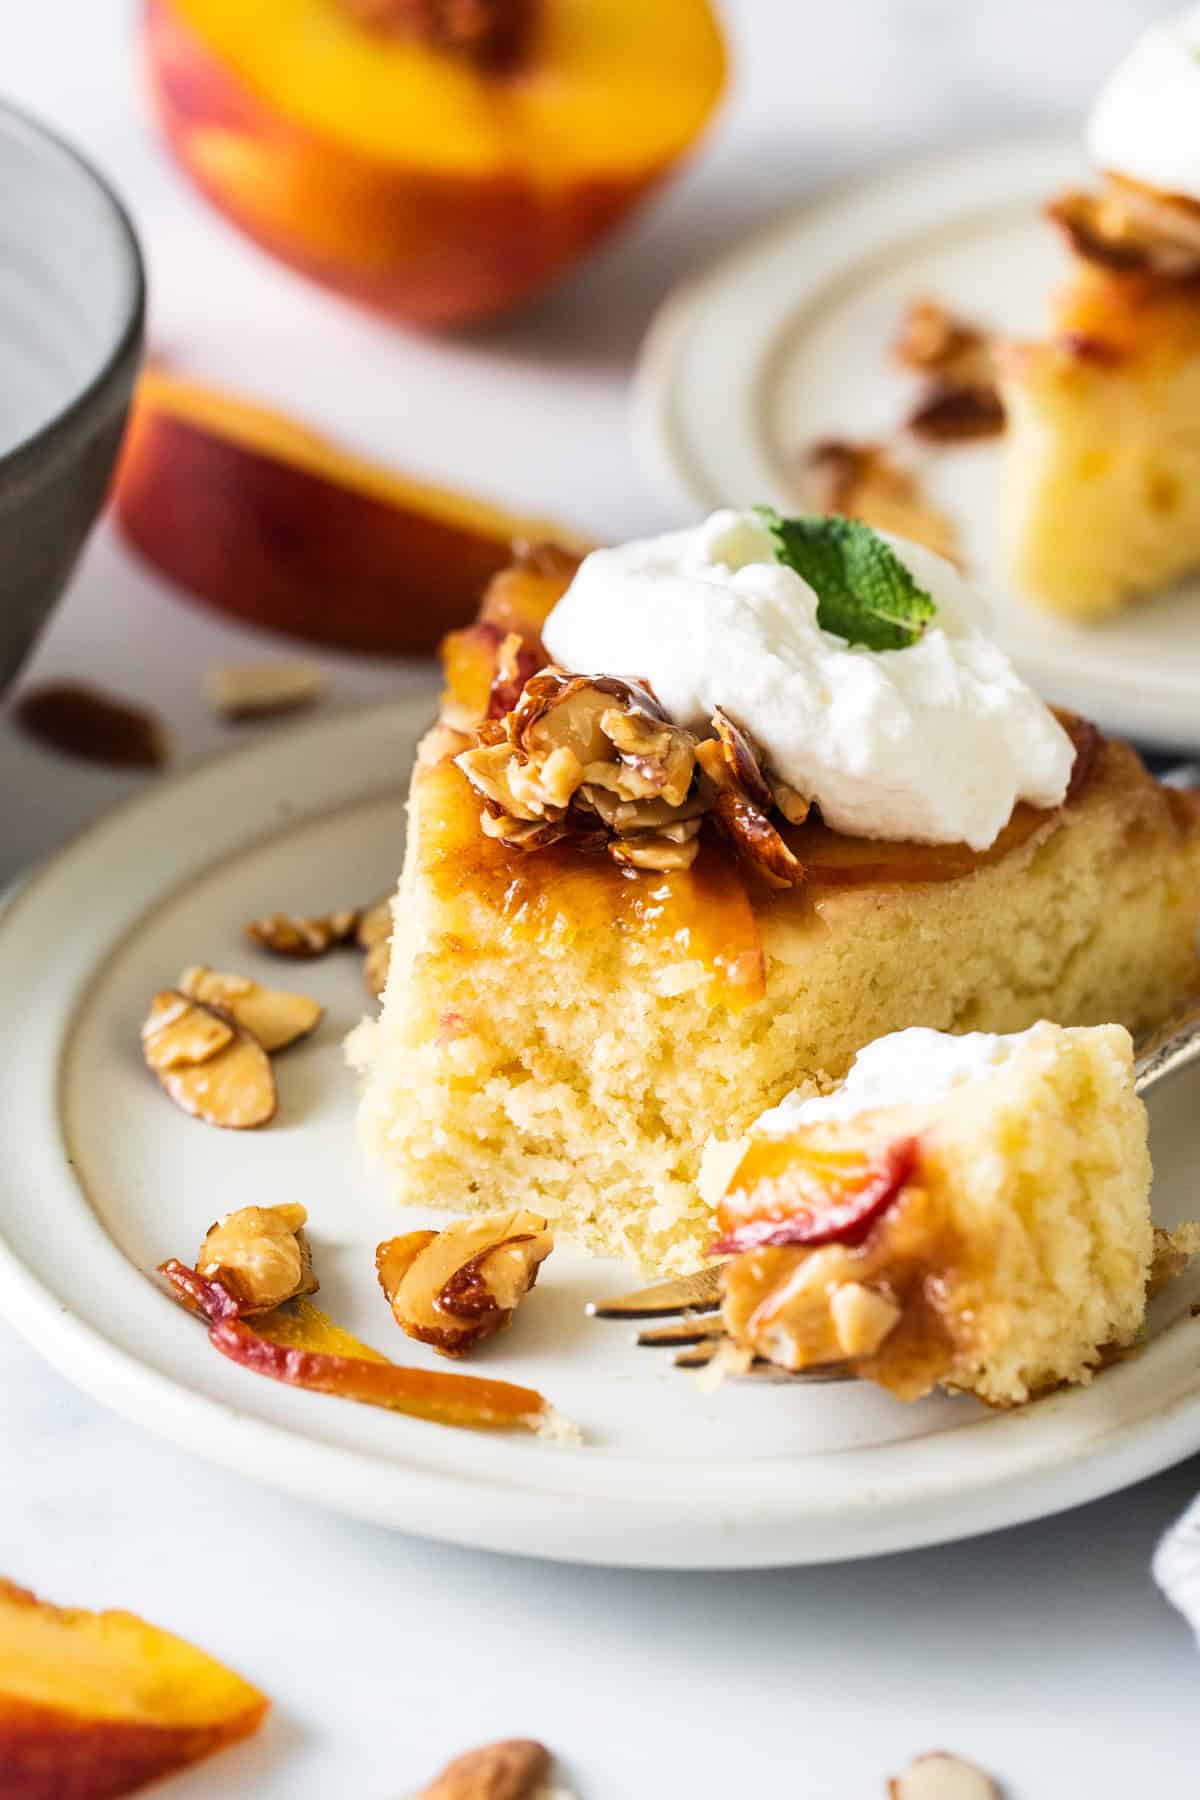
<point>865,594</point>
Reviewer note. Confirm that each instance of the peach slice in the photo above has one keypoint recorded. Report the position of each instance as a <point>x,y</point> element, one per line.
<point>436,174</point>
<point>818,1186</point>
<point>352,1371</point>
<point>97,1704</point>
<point>516,605</point>
<point>264,519</point>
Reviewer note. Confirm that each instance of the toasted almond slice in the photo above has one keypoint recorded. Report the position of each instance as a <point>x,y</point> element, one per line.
<point>261,1254</point>
<point>177,1035</point>
<point>456,1287</point>
<point>240,691</point>
<point>513,1769</point>
<point>232,1085</point>
<point>940,1776</point>
<point>276,1018</point>
<point>303,935</point>
<point>862,1318</point>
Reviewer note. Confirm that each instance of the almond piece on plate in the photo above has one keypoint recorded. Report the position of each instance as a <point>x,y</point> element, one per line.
<point>261,1255</point>
<point>456,1287</point>
<point>940,1776</point>
<point>243,691</point>
<point>209,1065</point>
<point>276,1018</point>
<point>304,935</point>
<point>98,1704</point>
<point>96,727</point>
<point>513,1769</point>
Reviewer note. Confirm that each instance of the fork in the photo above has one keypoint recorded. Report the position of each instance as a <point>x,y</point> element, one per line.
<point>691,1304</point>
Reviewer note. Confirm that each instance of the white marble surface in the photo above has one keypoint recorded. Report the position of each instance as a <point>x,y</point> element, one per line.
<point>1045,1653</point>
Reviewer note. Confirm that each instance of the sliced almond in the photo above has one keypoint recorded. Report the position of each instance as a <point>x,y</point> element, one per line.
<point>862,1318</point>
<point>303,935</point>
<point>511,1770</point>
<point>241,691</point>
<point>208,1064</point>
<point>177,1035</point>
<point>276,1018</point>
<point>261,1255</point>
<point>96,727</point>
<point>456,1287</point>
<point>940,1776</point>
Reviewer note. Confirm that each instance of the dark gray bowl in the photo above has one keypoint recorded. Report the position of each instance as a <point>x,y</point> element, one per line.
<point>72,304</point>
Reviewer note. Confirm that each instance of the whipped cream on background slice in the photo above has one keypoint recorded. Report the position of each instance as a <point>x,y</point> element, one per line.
<point>906,1068</point>
<point>934,744</point>
<point>1146,119</point>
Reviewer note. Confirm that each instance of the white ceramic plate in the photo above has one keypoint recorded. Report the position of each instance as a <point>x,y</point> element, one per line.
<point>101,1178</point>
<point>788,341</point>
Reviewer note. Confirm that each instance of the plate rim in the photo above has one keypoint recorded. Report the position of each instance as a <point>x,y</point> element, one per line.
<point>669,456</point>
<point>621,1523</point>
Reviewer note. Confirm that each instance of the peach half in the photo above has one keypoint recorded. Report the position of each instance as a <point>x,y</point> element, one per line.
<point>96,1704</point>
<point>273,523</point>
<point>435,161</point>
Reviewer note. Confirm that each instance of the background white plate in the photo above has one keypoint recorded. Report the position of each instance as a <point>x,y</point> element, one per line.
<point>788,341</point>
<point>101,1178</point>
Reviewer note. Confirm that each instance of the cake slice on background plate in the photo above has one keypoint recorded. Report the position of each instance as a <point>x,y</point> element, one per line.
<point>1103,449</point>
<point>966,1211</point>
<point>778,796</point>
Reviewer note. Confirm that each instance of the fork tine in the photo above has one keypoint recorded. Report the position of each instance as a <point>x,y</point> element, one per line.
<point>696,1293</point>
<point>693,1328</point>
<point>761,1371</point>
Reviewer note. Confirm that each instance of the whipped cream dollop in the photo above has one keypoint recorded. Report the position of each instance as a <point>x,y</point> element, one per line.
<point>903,1069</point>
<point>1146,119</point>
<point>933,744</point>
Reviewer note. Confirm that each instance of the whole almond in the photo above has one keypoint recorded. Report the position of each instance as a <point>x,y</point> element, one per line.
<point>509,1770</point>
<point>938,1775</point>
<point>96,727</point>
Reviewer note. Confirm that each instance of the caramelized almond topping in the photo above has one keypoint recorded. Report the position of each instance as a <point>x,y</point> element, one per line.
<point>209,1065</point>
<point>934,341</point>
<point>593,760</point>
<point>946,414</point>
<point>862,1318</point>
<point>301,936</point>
<point>1131,228</point>
<point>741,758</point>
<point>511,1770</point>
<point>261,1255</point>
<point>960,400</point>
<point>275,1018</point>
<point>81,721</point>
<point>456,1287</point>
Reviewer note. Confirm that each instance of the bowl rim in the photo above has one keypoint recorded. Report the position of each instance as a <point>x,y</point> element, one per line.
<point>28,452</point>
